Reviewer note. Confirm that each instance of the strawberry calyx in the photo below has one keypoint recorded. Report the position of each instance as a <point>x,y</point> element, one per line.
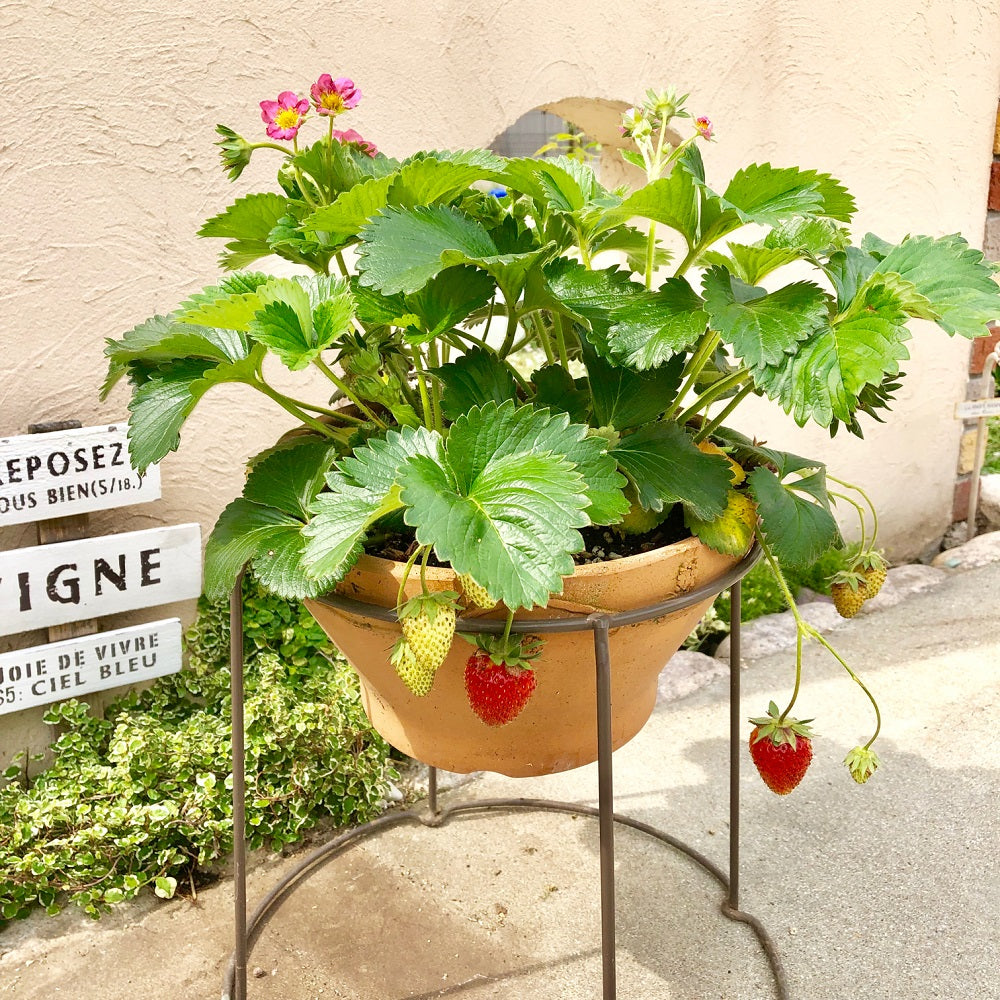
<point>851,578</point>
<point>428,605</point>
<point>780,730</point>
<point>515,652</point>
<point>869,560</point>
<point>862,763</point>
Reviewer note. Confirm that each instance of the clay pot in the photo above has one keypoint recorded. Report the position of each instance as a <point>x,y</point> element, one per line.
<point>557,730</point>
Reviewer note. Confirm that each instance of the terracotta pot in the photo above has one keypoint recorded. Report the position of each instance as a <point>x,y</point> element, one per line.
<point>558,728</point>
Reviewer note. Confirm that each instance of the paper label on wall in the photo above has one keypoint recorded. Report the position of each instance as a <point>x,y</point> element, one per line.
<point>92,577</point>
<point>973,408</point>
<point>61,670</point>
<point>70,472</point>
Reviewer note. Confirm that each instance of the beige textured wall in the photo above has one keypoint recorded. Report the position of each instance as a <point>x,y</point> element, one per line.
<point>107,168</point>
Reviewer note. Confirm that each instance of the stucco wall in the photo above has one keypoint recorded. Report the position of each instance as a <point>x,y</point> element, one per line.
<point>108,169</point>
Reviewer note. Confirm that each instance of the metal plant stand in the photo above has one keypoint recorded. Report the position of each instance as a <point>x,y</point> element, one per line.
<point>248,930</point>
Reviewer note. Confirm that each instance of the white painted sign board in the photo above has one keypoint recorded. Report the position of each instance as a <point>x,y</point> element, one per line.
<point>973,408</point>
<point>60,670</point>
<point>92,577</point>
<point>70,472</point>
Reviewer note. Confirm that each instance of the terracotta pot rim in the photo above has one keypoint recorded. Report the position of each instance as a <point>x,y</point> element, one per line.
<point>445,573</point>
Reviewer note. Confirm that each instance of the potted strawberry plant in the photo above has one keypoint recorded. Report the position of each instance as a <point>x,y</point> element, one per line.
<point>530,403</point>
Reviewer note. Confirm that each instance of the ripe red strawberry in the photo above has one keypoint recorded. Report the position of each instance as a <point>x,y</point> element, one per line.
<point>781,749</point>
<point>499,678</point>
<point>428,622</point>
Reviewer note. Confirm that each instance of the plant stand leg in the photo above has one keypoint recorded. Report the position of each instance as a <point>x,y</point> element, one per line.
<point>735,619</point>
<point>606,807</point>
<point>239,991</point>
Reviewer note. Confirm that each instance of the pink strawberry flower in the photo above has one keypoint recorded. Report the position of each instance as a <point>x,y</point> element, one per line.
<point>352,138</point>
<point>704,127</point>
<point>331,97</point>
<point>285,115</point>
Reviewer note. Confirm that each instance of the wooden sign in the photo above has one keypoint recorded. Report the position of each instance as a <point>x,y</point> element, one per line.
<point>44,476</point>
<point>973,408</point>
<point>92,577</point>
<point>61,670</point>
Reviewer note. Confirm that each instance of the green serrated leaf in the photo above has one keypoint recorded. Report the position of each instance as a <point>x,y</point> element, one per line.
<point>556,389</point>
<point>765,194</point>
<point>797,530</point>
<point>446,300</point>
<point>623,397</point>
<point>762,326</point>
<point>290,479</point>
<point>671,201</point>
<point>954,279</point>
<point>343,219</point>
<point>247,223</point>
<point>667,467</point>
<point>808,236</point>
<point>505,516</point>
<point>823,380</point>
<point>477,377</point>
<point>433,177</point>
<point>401,249</point>
<point>657,326</point>
<point>749,263</point>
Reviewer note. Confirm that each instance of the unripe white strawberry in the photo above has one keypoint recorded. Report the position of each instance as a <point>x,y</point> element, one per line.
<point>476,593</point>
<point>411,672</point>
<point>428,622</point>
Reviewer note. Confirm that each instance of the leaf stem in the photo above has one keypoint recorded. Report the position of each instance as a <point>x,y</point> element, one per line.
<point>287,404</point>
<point>561,341</point>
<point>693,367</point>
<point>506,629</point>
<point>343,387</point>
<point>508,340</point>
<point>425,399</point>
<point>713,392</point>
<point>432,356</point>
<point>710,426</point>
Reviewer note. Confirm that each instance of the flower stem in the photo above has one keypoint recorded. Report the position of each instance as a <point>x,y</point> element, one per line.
<point>861,514</point>
<point>857,680</point>
<point>561,341</point>
<point>406,576</point>
<point>692,368</point>
<point>868,501</point>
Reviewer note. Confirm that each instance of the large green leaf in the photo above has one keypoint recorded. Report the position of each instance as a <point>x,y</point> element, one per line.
<point>510,429</point>
<point>953,277</point>
<point>623,397</point>
<point>265,525</point>
<point>298,320</point>
<point>363,488</point>
<point>655,327</point>
<point>763,326</point>
<point>504,508</point>
<point>751,263</point>
<point>765,194</point>
<point>401,249</point>
<point>337,167</point>
<point>671,201</point>
<point>797,529</point>
<point>824,378</point>
<point>247,223</point>
<point>556,389</point>
<point>445,301</point>
<point>345,217</point>
<point>667,467</point>
<point>163,402</point>
<point>432,177</point>
<point>475,378</point>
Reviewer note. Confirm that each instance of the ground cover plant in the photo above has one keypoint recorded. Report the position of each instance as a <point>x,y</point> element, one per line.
<point>141,799</point>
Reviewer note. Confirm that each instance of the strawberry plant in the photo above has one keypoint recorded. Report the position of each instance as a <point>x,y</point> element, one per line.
<point>421,300</point>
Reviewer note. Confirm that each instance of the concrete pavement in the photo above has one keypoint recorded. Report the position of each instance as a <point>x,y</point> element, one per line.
<point>884,892</point>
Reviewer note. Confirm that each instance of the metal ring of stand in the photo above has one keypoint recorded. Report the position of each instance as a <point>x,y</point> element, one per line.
<point>247,931</point>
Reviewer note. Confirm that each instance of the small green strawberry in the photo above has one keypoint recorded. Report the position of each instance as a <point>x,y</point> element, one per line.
<point>412,673</point>
<point>428,622</point>
<point>862,763</point>
<point>849,591</point>
<point>781,749</point>
<point>476,593</point>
